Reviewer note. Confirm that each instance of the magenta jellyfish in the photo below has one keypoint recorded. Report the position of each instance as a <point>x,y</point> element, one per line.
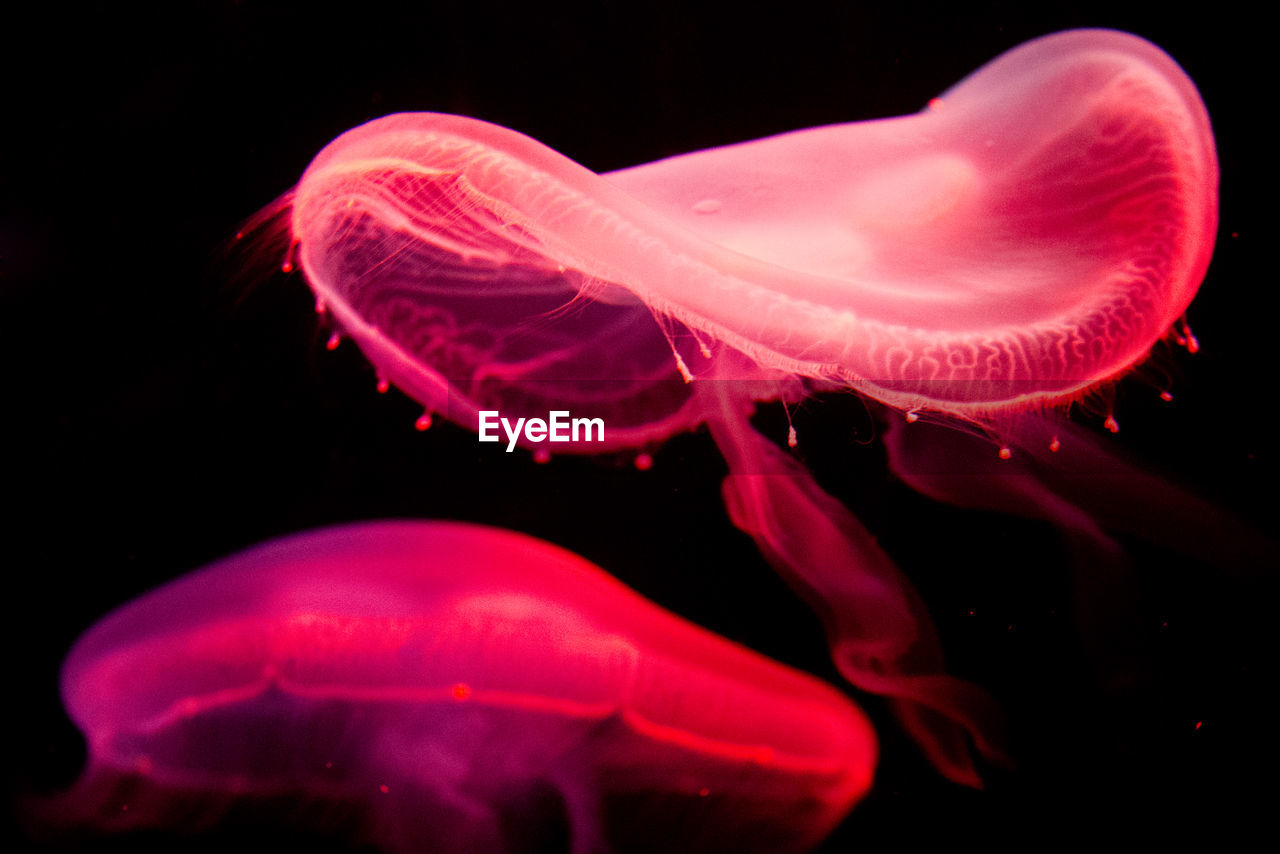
<point>1029,236</point>
<point>452,687</point>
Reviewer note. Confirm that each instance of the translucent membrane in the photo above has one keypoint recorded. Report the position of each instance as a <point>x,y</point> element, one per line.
<point>1030,235</point>
<point>1067,476</point>
<point>1033,233</point>
<point>448,679</point>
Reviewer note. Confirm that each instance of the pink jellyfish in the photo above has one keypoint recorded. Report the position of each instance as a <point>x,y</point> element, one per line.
<point>444,685</point>
<point>1029,236</point>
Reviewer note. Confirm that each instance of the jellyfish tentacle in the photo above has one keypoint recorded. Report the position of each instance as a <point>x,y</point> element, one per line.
<point>882,638</point>
<point>1090,495</point>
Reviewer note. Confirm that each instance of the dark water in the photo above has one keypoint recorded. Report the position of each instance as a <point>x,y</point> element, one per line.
<point>169,402</point>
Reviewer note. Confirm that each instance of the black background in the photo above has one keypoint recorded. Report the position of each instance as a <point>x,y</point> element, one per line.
<point>169,398</point>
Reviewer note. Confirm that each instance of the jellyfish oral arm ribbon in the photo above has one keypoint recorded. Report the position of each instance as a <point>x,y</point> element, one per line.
<point>882,638</point>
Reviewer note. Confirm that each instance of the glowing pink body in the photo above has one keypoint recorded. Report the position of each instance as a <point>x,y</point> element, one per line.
<point>1030,235</point>
<point>435,671</point>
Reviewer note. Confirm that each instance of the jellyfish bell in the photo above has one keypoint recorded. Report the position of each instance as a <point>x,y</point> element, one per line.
<point>1029,236</point>
<point>445,679</point>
